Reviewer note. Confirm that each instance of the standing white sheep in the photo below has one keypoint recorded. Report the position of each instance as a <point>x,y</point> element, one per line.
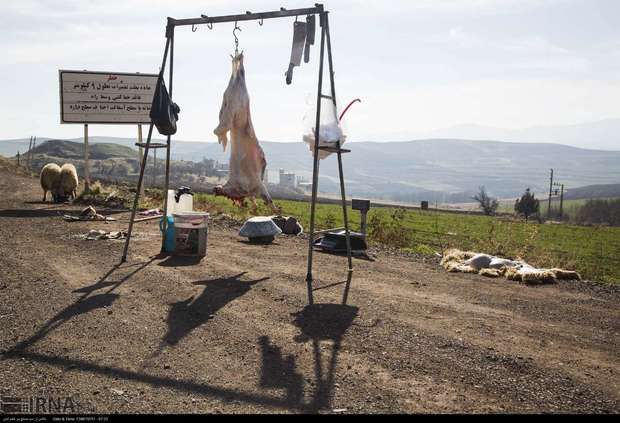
<point>68,182</point>
<point>50,180</point>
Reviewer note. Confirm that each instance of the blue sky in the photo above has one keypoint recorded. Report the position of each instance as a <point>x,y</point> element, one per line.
<point>417,65</point>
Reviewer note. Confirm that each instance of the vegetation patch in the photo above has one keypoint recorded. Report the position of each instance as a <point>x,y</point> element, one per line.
<point>592,251</point>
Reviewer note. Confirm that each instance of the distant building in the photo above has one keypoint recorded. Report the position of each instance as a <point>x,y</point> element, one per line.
<point>209,164</point>
<point>287,179</point>
<point>221,169</point>
<point>303,183</point>
<point>306,186</point>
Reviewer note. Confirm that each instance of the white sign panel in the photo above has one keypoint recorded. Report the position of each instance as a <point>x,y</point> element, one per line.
<point>103,97</point>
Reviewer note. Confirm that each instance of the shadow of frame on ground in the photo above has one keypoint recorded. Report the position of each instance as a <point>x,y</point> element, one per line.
<point>320,322</point>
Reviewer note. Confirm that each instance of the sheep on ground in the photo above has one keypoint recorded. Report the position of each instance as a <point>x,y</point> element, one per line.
<point>455,260</point>
<point>455,255</point>
<point>68,182</point>
<point>50,180</point>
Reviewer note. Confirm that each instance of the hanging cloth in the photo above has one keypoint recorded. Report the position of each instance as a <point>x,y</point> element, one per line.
<point>164,113</point>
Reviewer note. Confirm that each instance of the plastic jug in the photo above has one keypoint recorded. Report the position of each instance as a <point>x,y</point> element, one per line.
<point>171,203</point>
<point>185,204</point>
<point>170,232</point>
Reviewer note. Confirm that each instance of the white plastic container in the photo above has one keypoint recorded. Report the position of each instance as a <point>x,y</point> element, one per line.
<point>185,204</point>
<point>191,229</point>
<point>171,203</point>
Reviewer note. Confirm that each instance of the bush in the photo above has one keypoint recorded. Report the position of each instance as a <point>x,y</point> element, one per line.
<point>599,212</point>
<point>528,205</point>
<point>487,204</point>
<point>389,230</point>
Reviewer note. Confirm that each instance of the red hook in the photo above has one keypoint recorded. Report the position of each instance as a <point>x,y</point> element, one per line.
<point>347,108</point>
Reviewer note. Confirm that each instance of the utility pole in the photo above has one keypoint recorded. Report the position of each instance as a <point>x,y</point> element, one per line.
<point>29,153</point>
<point>561,199</point>
<point>550,189</point>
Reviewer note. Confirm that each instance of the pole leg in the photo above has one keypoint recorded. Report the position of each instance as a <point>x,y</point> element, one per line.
<point>340,172</point>
<point>137,196</point>
<point>315,167</point>
<point>144,158</point>
<point>167,183</point>
<point>346,228</point>
<point>140,152</point>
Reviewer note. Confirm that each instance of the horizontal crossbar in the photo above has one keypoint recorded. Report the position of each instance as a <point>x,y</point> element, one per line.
<point>152,145</point>
<point>248,16</point>
<point>335,150</point>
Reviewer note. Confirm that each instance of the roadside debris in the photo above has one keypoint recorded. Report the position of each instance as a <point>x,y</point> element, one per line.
<point>288,225</point>
<point>94,235</point>
<point>151,212</point>
<point>455,260</point>
<point>87,214</point>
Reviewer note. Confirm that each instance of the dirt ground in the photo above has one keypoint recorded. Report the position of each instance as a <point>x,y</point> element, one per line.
<point>232,333</point>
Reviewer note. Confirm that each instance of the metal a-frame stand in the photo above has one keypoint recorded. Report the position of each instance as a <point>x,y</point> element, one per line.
<point>325,37</point>
<point>325,41</point>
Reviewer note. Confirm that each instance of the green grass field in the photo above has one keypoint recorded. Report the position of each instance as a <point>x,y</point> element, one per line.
<point>593,251</point>
<point>569,208</point>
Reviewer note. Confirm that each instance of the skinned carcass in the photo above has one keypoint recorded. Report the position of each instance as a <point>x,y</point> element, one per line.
<point>247,159</point>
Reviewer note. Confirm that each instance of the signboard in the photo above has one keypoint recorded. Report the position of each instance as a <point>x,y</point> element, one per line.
<point>103,97</point>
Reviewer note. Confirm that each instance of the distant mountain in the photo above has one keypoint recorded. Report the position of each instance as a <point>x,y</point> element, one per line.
<point>603,134</point>
<point>444,170</point>
<point>593,191</point>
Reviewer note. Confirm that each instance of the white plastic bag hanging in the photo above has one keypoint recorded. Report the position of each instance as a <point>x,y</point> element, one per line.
<point>330,130</point>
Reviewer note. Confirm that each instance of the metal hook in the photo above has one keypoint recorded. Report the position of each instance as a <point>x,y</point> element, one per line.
<point>260,22</point>
<point>209,25</point>
<point>194,28</point>
<point>236,38</point>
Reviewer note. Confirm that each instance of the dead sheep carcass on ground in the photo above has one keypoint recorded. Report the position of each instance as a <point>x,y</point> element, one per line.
<point>68,184</point>
<point>50,180</point>
<point>455,260</point>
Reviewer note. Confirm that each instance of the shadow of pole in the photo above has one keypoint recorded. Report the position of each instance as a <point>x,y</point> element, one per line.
<point>320,323</point>
<point>157,381</point>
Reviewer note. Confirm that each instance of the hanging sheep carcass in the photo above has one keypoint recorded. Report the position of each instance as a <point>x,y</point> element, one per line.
<point>247,159</point>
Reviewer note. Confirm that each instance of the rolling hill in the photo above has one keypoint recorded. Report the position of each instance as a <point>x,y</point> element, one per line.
<point>593,191</point>
<point>444,170</point>
<point>75,150</point>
